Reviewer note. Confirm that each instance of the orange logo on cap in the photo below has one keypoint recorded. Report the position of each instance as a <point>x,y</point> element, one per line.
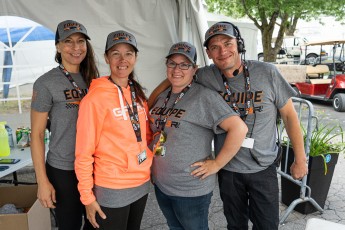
<point>122,36</point>
<point>217,28</point>
<point>71,26</point>
<point>186,48</point>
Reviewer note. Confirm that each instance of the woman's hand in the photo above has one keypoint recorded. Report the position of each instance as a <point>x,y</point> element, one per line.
<point>46,194</point>
<point>205,168</point>
<point>91,211</point>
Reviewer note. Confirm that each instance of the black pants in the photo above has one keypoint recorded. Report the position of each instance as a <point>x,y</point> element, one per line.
<point>125,218</point>
<point>253,196</point>
<point>69,209</point>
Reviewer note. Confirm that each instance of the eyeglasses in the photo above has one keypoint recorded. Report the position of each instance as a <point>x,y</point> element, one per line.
<point>182,66</point>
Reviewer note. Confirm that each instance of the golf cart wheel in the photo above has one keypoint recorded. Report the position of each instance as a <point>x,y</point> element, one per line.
<point>311,58</point>
<point>339,102</point>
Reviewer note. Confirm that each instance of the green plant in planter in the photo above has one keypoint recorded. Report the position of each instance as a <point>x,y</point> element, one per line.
<point>326,139</point>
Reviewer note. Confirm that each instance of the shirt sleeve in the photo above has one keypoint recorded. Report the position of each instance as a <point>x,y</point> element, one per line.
<point>42,99</point>
<point>282,89</point>
<point>86,140</point>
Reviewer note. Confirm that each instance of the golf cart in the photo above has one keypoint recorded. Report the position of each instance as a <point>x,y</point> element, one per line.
<point>325,79</point>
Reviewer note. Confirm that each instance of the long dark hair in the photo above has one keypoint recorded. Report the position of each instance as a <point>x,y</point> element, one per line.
<point>88,68</point>
<point>138,89</point>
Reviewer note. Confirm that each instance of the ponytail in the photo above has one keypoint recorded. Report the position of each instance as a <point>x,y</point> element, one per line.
<point>138,89</point>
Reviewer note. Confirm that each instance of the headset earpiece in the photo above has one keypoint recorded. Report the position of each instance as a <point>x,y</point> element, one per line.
<point>237,33</point>
<point>240,45</point>
<point>240,41</point>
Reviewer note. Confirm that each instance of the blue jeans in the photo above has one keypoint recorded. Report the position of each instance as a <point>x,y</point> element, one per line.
<point>184,213</point>
<point>253,196</point>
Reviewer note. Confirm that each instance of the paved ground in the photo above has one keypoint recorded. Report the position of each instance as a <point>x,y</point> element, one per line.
<point>334,209</point>
<point>154,220</point>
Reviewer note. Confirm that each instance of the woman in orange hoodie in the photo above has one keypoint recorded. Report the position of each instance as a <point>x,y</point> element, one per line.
<point>112,158</point>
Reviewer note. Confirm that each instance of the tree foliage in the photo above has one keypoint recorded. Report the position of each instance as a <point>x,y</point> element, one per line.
<point>266,14</point>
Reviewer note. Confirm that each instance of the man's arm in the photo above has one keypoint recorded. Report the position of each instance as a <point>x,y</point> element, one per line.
<point>299,167</point>
<point>158,90</point>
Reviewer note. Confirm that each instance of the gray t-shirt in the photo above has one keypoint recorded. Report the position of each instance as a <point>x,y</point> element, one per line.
<point>118,198</point>
<point>190,129</point>
<point>54,93</point>
<point>270,93</point>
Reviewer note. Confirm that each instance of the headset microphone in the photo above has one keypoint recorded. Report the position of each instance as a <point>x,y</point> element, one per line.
<point>236,72</point>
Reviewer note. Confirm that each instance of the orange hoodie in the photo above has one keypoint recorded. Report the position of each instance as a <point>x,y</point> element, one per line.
<point>106,146</point>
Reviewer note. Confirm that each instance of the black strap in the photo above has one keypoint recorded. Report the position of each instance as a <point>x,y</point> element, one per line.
<point>70,78</point>
<point>160,122</point>
<point>248,101</point>
<point>133,114</point>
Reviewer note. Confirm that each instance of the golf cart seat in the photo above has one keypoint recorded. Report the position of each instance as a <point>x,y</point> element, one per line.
<point>317,71</point>
<point>320,81</point>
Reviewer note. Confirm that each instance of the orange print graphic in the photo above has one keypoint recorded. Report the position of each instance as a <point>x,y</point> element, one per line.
<point>69,26</point>
<point>74,102</point>
<point>186,48</point>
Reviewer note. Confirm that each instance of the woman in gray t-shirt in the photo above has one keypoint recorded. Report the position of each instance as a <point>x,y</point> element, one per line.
<point>56,95</point>
<point>184,120</point>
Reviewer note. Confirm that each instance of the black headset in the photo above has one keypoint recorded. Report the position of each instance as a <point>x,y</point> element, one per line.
<point>240,41</point>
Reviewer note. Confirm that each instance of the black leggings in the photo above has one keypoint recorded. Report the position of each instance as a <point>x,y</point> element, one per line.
<point>128,217</point>
<point>69,209</point>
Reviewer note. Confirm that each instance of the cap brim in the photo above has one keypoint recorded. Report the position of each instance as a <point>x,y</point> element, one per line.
<point>135,48</point>
<point>192,61</point>
<point>208,39</point>
<point>74,32</point>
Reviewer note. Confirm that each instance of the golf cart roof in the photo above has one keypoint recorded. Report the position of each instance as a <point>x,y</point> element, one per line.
<point>328,42</point>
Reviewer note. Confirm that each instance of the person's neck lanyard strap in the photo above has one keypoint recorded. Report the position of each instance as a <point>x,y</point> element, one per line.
<point>160,123</point>
<point>233,102</point>
<point>69,77</point>
<point>133,114</point>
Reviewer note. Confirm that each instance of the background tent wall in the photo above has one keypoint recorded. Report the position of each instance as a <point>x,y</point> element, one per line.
<point>157,24</point>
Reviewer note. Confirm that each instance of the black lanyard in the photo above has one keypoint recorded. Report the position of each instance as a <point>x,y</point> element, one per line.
<point>133,114</point>
<point>160,123</point>
<point>248,102</point>
<point>69,77</point>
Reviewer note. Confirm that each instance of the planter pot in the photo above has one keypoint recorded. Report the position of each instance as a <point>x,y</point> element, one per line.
<point>316,180</point>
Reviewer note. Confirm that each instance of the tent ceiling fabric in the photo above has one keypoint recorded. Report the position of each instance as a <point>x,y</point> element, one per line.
<point>157,24</point>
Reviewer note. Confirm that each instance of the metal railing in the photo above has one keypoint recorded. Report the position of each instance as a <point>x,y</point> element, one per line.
<point>305,112</point>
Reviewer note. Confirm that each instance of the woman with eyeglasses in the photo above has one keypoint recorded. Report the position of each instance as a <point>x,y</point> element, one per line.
<point>112,158</point>
<point>184,119</point>
<point>56,95</point>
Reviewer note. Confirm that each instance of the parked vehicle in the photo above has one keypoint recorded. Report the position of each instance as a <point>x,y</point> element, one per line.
<point>325,80</point>
<point>282,58</point>
<point>295,49</point>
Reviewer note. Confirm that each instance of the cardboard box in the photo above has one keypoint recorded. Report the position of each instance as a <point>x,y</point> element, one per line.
<point>25,196</point>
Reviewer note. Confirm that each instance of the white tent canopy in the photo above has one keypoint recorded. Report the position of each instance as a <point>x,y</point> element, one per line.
<point>156,24</point>
<point>26,50</point>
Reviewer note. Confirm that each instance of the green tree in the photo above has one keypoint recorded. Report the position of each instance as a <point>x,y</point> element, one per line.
<point>266,14</point>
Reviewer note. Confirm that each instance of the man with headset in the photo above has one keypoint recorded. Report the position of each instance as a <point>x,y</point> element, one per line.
<point>248,184</point>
